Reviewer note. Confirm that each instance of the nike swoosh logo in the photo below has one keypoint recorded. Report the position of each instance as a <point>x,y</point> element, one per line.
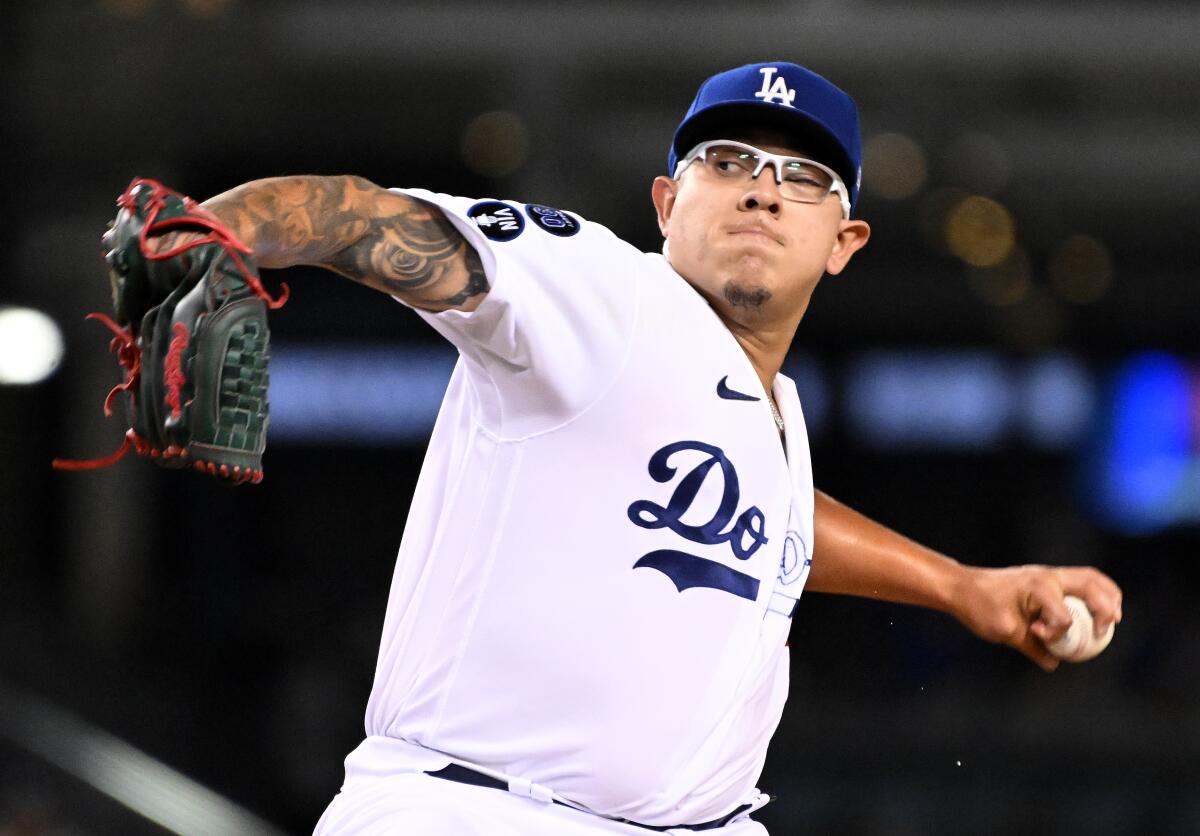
<point>723,391</point>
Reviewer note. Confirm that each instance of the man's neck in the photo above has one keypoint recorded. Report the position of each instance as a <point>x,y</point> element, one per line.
<point>765,345</point>
<point>765,339</point>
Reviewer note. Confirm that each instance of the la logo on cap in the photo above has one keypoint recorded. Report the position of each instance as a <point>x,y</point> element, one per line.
<point>776,91</point>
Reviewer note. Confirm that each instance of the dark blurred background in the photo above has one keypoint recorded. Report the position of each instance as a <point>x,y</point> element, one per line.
<point>1009,373</point>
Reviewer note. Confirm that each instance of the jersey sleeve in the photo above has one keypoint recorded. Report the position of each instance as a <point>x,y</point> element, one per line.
<point>555,327</point>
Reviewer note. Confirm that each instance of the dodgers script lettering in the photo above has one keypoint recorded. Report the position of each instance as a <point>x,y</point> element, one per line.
<point>744,533</point>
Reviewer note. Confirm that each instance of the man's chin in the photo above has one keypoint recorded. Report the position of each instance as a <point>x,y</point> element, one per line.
<point>748,295</point>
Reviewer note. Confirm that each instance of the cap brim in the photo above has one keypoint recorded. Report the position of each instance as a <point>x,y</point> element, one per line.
<point>809,135</point>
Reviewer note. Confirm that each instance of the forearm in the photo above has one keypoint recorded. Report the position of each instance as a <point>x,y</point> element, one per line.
<point>854,555</point>
<point>387,241</point>
<point>294,220</point>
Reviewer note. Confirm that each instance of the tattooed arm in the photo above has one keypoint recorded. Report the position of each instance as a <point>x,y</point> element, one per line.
<point>391,242</point>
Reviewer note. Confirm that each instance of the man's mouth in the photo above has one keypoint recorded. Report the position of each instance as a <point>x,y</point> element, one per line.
<point>755,230</point>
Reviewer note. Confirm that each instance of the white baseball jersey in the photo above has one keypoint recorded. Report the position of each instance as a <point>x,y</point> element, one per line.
<point>606,542</point>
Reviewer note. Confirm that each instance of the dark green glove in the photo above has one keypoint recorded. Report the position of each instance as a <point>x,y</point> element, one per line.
<point>191,333</point>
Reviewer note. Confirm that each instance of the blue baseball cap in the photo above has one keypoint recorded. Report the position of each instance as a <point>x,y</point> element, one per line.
<point>781,95</point>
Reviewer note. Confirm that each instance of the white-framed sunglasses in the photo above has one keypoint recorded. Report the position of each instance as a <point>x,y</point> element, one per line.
<point>800,180</point>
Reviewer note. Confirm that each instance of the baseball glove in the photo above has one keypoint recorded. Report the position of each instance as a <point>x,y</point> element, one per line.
<point>190,331</point>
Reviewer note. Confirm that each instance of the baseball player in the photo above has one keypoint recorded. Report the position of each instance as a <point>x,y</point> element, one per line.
<point>586,632</point>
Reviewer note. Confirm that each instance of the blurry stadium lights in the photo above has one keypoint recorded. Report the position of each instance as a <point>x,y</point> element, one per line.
<point>352,395</point>
<point>496,143</point>
<point>980,231</point>
<point>895,166</point>
<point>31,346</point>
<point>1081,270</point>
<point>1057,401</point>
<point>967,400</point>
<point>1144,474</point>
<point>950,400</point>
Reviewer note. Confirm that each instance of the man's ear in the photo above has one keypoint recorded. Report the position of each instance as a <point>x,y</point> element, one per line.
<point>852,237</point>
<point>663,192</point>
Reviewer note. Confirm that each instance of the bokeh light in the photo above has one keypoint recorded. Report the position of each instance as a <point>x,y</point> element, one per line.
<point>31,346</point>
<point>895,166</point>
<point>980,231</point>
<point>496,143</point>
<point>1081,270</point>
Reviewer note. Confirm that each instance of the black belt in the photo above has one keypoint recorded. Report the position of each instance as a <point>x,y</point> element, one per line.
<point>464,775</point>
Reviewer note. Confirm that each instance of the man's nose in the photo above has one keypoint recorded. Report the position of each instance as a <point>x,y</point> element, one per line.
<point>762,192</point>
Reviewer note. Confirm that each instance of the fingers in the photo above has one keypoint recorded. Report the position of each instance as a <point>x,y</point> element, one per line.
<point>1024,606</point>
<point>1044,608</point>
<point>1032,647</point>
<point>1045,632</point>
<point>1101,594</point>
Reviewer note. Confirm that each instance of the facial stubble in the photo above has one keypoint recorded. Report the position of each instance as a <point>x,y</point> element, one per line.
<point>739,296</point>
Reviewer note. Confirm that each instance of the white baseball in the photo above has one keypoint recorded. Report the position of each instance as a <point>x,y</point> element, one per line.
<point>1080,642</point>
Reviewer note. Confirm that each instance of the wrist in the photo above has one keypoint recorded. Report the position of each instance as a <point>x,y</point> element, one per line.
<point>961,590</point>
